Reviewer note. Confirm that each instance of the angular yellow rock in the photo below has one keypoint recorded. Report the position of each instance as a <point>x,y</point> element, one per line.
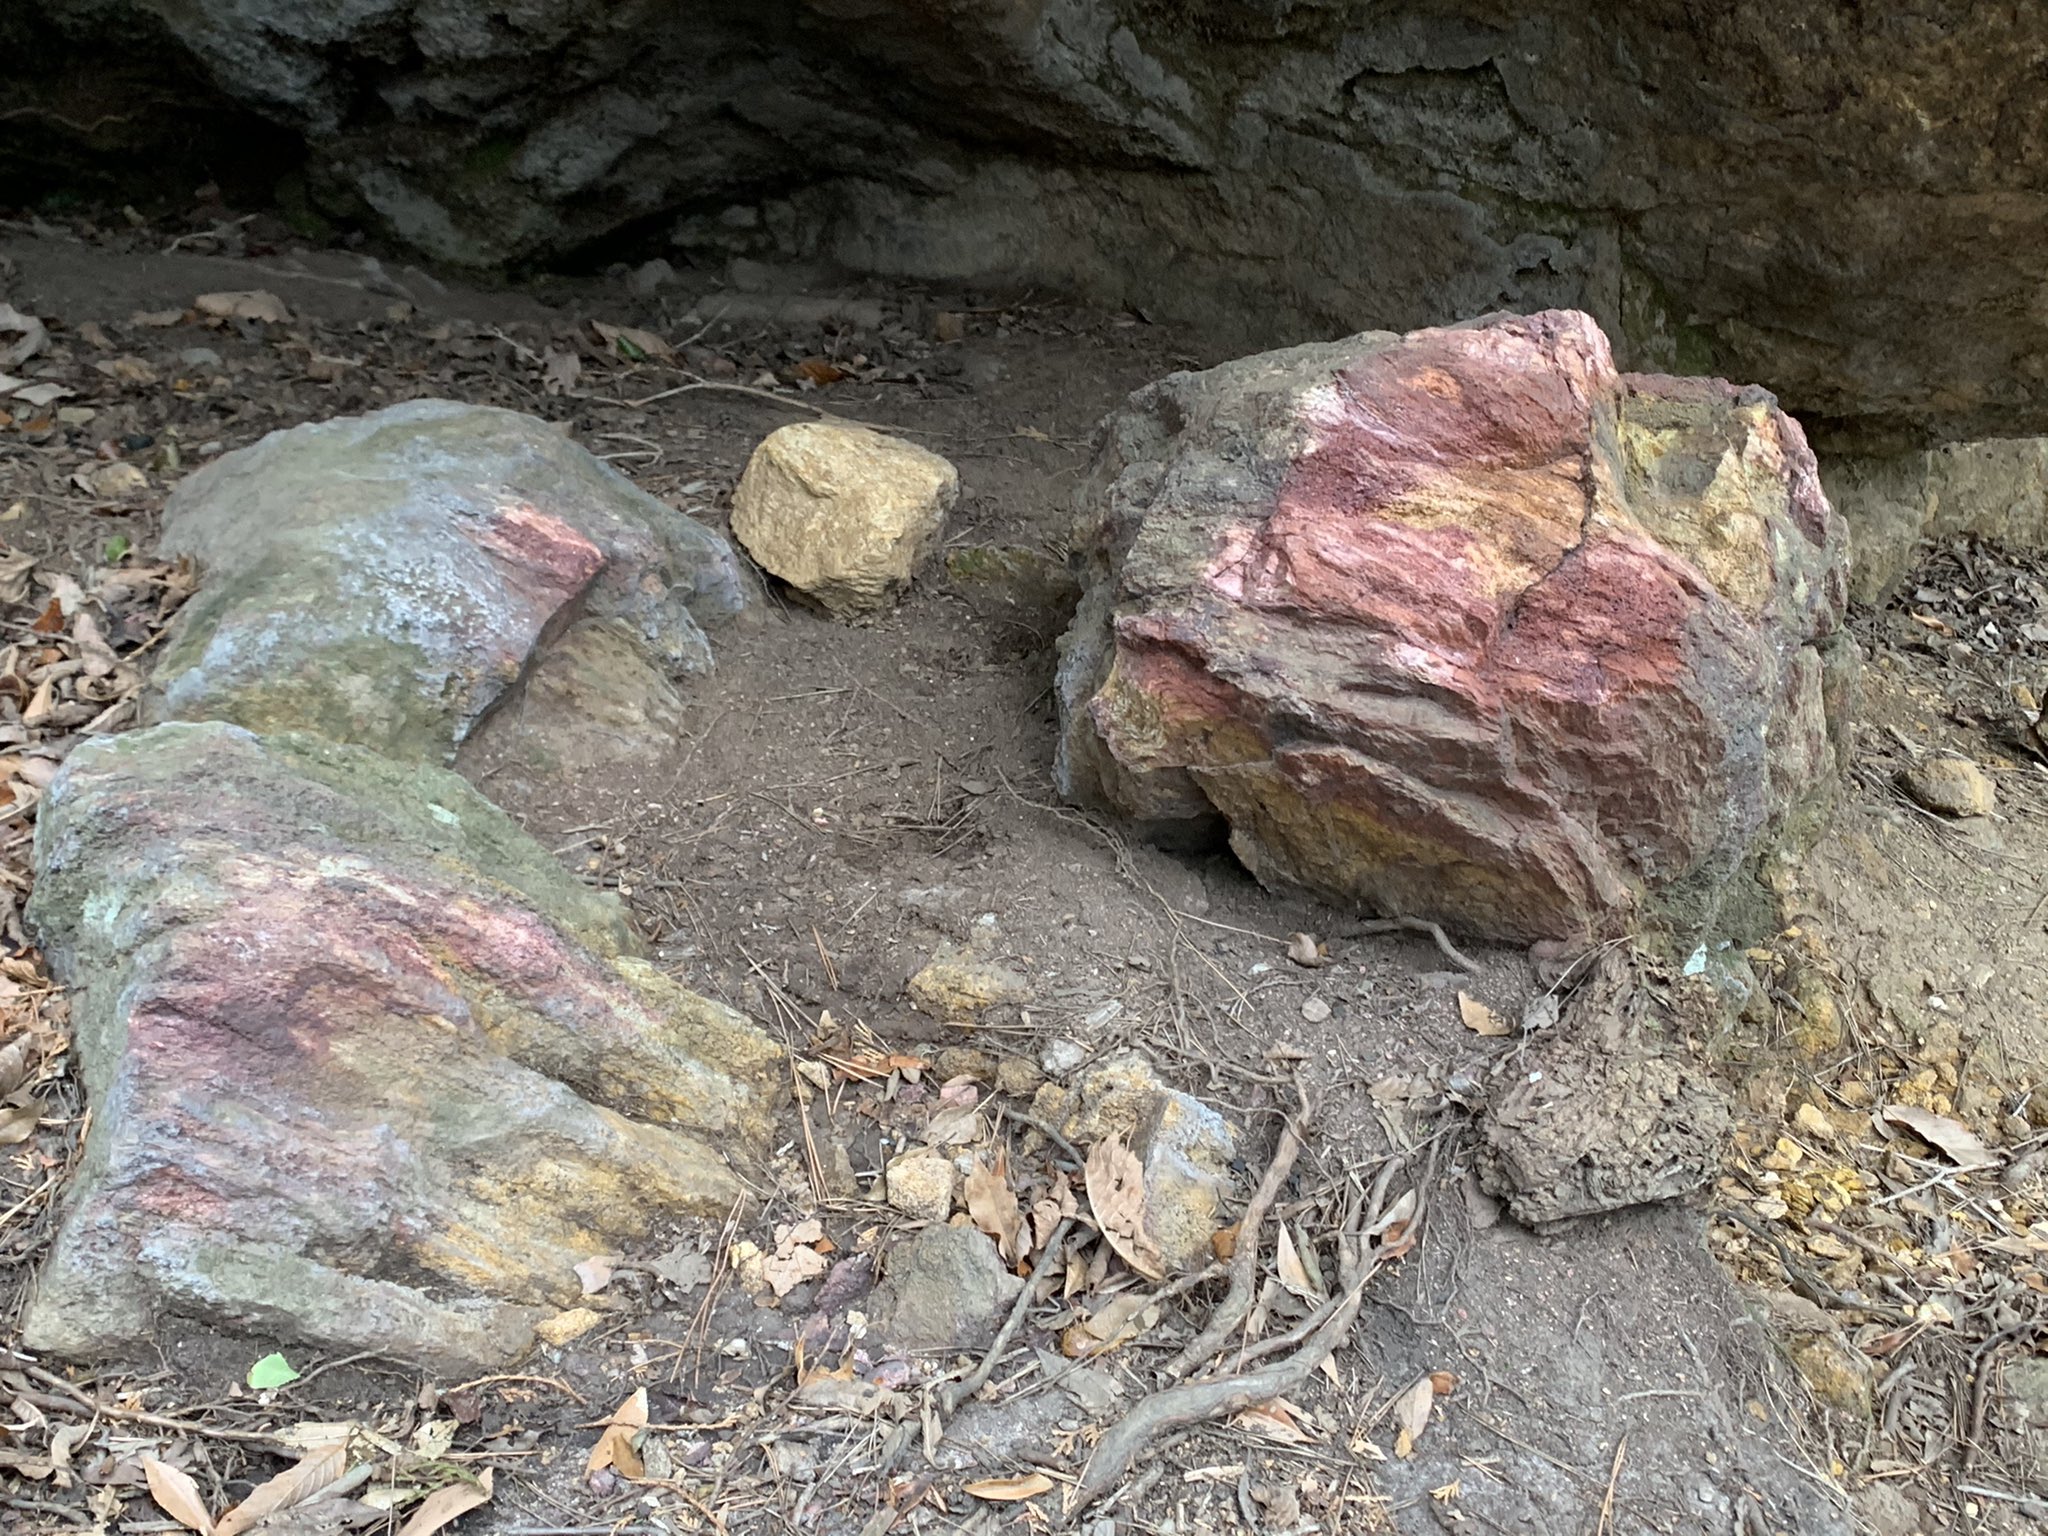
<point>920,1184</point>
<point>958,985</point>
<point>841,513</point>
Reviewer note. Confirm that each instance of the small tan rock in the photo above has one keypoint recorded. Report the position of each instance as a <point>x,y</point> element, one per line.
<point>1836,1372</point>
<point>1954,786</point>
<point>564,1327</point>
<point>1018,1075</point>
<point>957,985</point>
<point>920,1184</point>
<point>964,1061</point>
<point>841,513</point>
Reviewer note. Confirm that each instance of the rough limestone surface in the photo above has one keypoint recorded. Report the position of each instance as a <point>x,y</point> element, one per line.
<point>1464,625</point>
<point>593,699</point>
<point>1184,1147</point>
<point>1995,489</point>
<point>841,513</point>
<point>1846,202</point>
<point>368,1069</point>
<point>946,1288</point>
<point>384,579</point>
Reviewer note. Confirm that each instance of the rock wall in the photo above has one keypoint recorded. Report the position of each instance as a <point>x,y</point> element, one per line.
<point>1845,203</point>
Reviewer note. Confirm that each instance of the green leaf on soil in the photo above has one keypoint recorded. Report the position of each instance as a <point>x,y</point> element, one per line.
<point>271,1371</point>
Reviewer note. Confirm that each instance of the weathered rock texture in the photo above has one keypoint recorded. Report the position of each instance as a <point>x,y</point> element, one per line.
<point>841,513</point>
<point>1607,1111</point>
<point>1184,1147</point>
<point>1997,489</point>
<point>384,579</point>
<point>1463,625</point>
<point>367,1068</point>
<point>1849,203</point>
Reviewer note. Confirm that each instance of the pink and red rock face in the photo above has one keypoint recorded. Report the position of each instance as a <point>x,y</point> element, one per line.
<point>1463,625</point>
<point>368,1069</point>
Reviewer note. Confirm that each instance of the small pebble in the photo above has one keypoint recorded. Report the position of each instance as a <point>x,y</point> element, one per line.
<point>1062,1056</point>
<point>1315,1010</point>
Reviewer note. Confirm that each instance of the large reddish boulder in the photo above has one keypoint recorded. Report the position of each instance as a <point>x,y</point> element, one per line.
<point>1464,625</point>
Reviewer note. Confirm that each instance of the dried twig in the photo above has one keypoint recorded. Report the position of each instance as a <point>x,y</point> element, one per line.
<point>1237,1301</point>
<point>79,1401</point>
<point>1373,925</point>
<point>1195,1402</point>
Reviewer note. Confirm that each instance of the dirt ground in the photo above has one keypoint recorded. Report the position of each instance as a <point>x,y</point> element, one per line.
<point>843,800</point>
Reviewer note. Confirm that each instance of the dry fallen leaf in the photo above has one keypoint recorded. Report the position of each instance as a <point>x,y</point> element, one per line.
<point>1411,1415</point>
<point>632,343</point>
<point>1116,1194</point>
<point>177,1495</point>
<point>286,1490</point>
<point>595,1273</point>
<point>683,1268</point>
<point>819,371</point>
<point>1293,1273</point>
<point>1303,950</point>
<point>784,1272</point>
<point>1479,1018</point>
<point>958,1118</point>
<point>1007,1490</point>
<point>252,304</point>
<point>1275,1420</point>
<point>127,370</point>
<point>841,1391</point>
<point>1113,1324</point>
<point>446,1504</point>
<point>614,1447</point>
<point>1962,1145</point>
<point>32,332</point>
<point>993,1206</point>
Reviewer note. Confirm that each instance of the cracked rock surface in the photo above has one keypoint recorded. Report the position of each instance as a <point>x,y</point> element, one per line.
<point>1464,625</point>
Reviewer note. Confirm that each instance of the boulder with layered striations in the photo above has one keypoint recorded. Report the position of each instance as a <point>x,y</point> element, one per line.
<point>368,1069</point>
<point>1464,625</point>
<point>385,579</point>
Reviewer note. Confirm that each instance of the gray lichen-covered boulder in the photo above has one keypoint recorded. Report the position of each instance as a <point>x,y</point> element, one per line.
<point>386,579</point>
<point>368,1069</point>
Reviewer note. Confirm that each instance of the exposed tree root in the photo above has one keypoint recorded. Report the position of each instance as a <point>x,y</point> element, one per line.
<point>1244,1264</point>
<point>1196,1402</point>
